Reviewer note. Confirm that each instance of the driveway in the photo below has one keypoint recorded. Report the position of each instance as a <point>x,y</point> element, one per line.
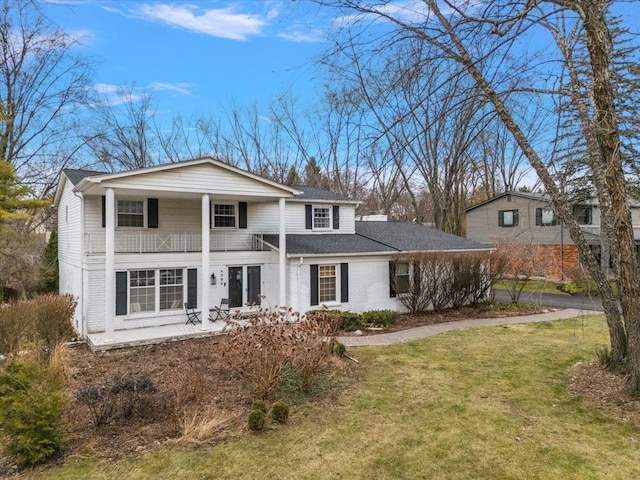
<point>580,302</point>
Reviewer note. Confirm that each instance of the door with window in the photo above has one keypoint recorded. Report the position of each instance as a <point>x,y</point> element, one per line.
<point>244,285</point>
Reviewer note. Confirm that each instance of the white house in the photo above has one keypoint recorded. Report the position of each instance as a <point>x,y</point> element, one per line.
<point>135,246</point>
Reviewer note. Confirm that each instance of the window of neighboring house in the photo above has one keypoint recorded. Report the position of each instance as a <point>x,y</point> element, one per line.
<point>508,218</point>
<point>582,214</point>
<point>171,289</point>
<point>545,217</point>
<point>321,218</point>
<point>402,278</point>
<point>142,291</point>
<point>130,213</point>
<point>327,284</point>
<point>224,215</point>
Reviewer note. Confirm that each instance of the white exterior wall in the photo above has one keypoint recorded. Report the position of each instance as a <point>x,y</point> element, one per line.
<point>296,218</point>
<point>69,228</point>
<point>368,284</point>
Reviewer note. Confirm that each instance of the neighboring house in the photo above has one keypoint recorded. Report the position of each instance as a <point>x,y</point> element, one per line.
<point>526,218</point>
<point>135,246</point>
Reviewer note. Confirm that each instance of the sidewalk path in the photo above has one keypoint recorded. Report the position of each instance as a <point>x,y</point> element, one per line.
<point>430,330</point>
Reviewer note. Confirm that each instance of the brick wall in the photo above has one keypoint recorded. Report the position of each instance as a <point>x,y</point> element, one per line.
<point>557,262</point>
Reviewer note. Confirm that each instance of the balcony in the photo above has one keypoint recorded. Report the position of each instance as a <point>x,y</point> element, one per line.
<point>152,242</point>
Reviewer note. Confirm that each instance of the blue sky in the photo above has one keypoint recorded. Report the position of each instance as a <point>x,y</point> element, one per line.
<point>194,56</point>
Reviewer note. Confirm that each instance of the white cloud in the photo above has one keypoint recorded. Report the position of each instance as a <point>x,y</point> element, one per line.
<point>221,22</point>
<point>180,87</point>
<point>304,37</point>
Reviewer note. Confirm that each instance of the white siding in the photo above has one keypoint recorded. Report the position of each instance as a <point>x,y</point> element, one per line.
<point>204,178</point>
<point>368,284</point>
<point>71,283</point>
<point>69,227</point>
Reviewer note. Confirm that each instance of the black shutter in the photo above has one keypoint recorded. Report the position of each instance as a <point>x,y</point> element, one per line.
<point>588,215</point>
<point>500,218</point>
<point>344,282</point>
<point>392,279</point>
<point>308,217</point>
<point>242,215</point>
<point>336,217</point>
<point>104,211</point>
<point>192,287</point>
<point>210,215</point>
<point>314,284</point>
<point>121,293</point>
<point>538,216</point>
<point>152,213</point>
<point>515,218</point>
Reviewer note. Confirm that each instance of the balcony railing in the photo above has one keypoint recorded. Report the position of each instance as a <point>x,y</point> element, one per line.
<point>151,242</point>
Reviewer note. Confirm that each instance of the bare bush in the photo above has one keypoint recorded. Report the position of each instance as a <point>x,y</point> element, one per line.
<point>260,347</point>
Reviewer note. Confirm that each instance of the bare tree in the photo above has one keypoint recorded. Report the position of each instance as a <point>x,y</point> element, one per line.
<point>472,34</point>
<point>43,88</point>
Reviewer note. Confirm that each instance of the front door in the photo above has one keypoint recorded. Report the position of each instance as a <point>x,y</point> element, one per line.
<point>253,285</point>
<point>235,287</point>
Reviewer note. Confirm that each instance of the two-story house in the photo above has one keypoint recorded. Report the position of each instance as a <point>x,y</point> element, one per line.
<point>527,218</point>
<point>135,246</point>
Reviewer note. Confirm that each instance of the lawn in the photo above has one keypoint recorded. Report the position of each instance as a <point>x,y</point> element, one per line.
<point>538,286</point>
<point>488,403</point>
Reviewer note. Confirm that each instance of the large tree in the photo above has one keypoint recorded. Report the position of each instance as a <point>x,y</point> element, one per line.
<point>42,87</point>
<point>493,44</point>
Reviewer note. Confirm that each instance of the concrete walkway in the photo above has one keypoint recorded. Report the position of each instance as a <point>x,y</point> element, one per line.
<point>431,330</point>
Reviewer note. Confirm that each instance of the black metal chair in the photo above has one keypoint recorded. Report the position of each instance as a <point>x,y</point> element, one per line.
<point>220,312</point>
<point>193,316</point>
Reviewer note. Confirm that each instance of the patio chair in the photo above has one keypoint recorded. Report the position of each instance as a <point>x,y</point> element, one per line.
<point>220,312</point>
<point>193,316</point>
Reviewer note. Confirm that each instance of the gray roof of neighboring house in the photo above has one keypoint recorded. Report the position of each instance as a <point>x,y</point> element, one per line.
<point>75,176</point>
<point>311,193</point>
<point>376,237</point>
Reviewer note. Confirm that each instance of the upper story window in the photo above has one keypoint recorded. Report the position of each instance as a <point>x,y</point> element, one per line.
<point>545,217</point>
<point>508,218</point>
<point>224,215</point>
<point>583,214</point>
<point>321,218</point>
<point>130,213</point>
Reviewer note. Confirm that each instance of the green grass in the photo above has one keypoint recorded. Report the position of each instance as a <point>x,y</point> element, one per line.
<point>539,286</point>
<point>478,404</point>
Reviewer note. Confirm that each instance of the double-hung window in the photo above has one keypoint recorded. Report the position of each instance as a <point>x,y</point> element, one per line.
<point>545,217</point>
<point>224,215</point>
<point>508,218</point>
<point>402,277</point>
<point>130,213</point>
<point>321,218</point>
<point>142,291</point>
<point>171,288</point>
<point>327,283</point>
<point>582,214</point>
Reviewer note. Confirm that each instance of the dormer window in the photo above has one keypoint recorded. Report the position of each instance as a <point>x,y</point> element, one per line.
<point>321,218</point>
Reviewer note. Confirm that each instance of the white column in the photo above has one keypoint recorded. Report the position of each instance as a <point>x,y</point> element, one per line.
<point>282,257</point>
<point>109,265</point>
<point>205,277</point>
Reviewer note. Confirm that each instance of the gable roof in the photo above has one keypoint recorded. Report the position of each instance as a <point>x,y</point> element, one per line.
<point>377,238</point>
<point>75,176</point>
<point>318,194</point>
<point>538,197</point>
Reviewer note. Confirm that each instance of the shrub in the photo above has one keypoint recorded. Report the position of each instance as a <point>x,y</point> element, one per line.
<point>350,321</point>
<point>31,409</point>
<point>338,348</point>
<point>120,397</point>
<point>280,412</point>
<point>260,405</point>
<point>604,355</point>
<point>379,318</point>
<point>45,319</point>
<point>256,420</point>
<point>263,347</point>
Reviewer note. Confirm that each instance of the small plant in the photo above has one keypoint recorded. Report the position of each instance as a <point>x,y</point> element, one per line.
<point>379,318</point>
<point>256,420</point>
<point>99,401</point>
<point>338,348</point>
<point>604,355</point>
<point>280,412</point>
<point>260,405</point>
<point>31,409</point>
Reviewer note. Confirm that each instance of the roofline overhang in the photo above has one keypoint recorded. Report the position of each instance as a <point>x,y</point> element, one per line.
<point>328,202</point>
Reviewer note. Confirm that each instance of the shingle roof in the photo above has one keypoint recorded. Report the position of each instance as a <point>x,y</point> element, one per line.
<point>328,244</point>
<point>75,176</point>
<point>409,236</point>
<point>376,237</point>
<point>311,193</point>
